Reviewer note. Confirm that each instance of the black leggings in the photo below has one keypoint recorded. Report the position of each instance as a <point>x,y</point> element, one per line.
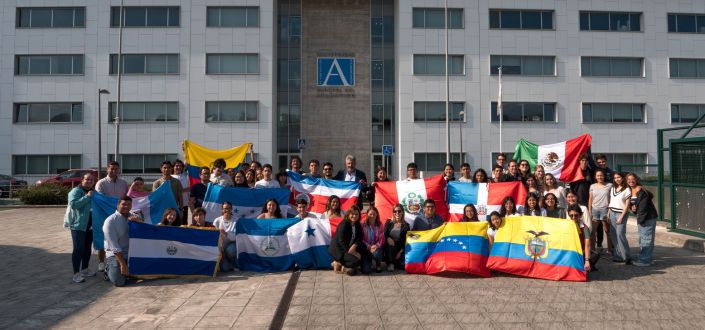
<point>82,241</point>
<point>390,254</point>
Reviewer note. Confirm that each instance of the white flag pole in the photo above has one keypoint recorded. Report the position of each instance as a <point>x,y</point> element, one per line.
<point>499,108</point>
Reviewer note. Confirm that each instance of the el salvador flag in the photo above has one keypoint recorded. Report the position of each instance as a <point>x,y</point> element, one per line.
<point>262,244</point>
<point>157,251</point>
<point>309,240</point>
<point>247,203</point>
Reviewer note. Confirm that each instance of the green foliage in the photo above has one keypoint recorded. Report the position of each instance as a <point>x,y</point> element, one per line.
<point>46,194</point>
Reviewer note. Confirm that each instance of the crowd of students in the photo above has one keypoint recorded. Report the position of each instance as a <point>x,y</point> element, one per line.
<point>599,204</point>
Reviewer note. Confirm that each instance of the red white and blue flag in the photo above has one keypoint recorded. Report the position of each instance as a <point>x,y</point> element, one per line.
<point>317,191</point>
<point>486,197</point>
<point>411,194</point>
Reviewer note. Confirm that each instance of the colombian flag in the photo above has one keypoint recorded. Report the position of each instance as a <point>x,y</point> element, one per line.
<point>538,247</point>
<point>454,246</point>
<point>197,156</point>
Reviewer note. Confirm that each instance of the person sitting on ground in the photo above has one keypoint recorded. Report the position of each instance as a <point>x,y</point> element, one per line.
<point>495,223</point>
<point>270,210</point>
<point>373,238</point>
<point>199,219</point>
<point>428,219</point>
<point>267,181</point>
<point>395,238</point>
<point>226,226</point>
<point>346,247</point>
<point>469,213</point>
<point>333,210</point>
<point>117,241</point>
<point>137,188</point>
<point>170,218</point>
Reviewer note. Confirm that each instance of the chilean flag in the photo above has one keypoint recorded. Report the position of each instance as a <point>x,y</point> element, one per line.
<point>318,190</point>
<point>411,194</point>
<point>486,197</point>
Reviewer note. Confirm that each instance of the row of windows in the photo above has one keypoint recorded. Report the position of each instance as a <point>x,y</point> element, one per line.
<point>48,113</point>
<point>521,19</point>
<point>44,164</point>
<point>58,17</point>
<point>610,21</point>
<point>432,18</point>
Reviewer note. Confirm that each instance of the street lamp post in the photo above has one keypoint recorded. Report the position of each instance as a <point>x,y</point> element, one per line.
<point>100,135</point>
<point>462,120</point>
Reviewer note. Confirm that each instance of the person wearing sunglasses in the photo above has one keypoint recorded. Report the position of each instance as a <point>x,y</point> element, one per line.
<point>395,238</point>
<point>575,213</point>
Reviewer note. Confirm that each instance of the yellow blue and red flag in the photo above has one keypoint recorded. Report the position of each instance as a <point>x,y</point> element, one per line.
<point>538,247</point>
<point>198,156</point>
<point>452,247</point>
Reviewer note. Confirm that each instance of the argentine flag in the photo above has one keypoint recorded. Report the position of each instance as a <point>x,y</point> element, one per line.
<point>309,240</point>
<point>262,245</point>
<point>157,251</point>
<point>247,203</point>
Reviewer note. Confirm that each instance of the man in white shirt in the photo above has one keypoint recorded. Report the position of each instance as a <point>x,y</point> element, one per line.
<point>465,173</point>
<point>110,185</point>
<point>226,225</point>
<point>412,171</point>
<point>302,210</point>
<point>267,181</point>
<point>117,241</point>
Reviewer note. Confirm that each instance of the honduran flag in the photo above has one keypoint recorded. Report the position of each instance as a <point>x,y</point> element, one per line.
<point>411,194</point>
<point>559,159</point>
<point>309,240</point>
<point>454,246</point>
<point>538,247</point>
<point>263,246</point>
<point>487,197</point>
<point>247,203</point>
<point>317,191</point>
<point>164,251</point>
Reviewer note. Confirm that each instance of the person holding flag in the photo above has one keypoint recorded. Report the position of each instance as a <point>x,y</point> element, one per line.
<point>429,219</point>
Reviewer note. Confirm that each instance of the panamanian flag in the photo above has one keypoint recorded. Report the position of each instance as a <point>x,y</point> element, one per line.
<point>487,197</point>
<point>559,159</point>
<point>247,203</point>
<point>411,194</point>
<point>263,245</point>
<point>309,240</point>
<point>165,251</point>
<point>318,190</point>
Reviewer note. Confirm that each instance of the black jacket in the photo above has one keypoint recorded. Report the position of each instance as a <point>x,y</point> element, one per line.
<point>645,209</point>
<point>341,242</point>
<point>402,235</point>
<point>359,175</point>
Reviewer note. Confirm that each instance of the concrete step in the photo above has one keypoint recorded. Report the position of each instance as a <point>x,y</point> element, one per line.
<point>667,237</point>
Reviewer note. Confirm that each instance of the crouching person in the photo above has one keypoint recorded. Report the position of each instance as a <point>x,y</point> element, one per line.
<point>117,241</point>
<point>228,250</point>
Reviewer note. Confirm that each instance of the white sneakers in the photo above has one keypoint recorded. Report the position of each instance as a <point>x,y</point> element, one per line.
<point>101,266</point>
<point>87,273</point>
<point>77,278</point>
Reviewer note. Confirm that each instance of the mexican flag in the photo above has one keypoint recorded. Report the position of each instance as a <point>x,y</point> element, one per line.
<point>411,194</point>
<point>559,159</point>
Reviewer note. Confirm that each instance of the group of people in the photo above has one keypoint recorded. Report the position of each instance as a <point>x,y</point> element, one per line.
<point>599,204</point>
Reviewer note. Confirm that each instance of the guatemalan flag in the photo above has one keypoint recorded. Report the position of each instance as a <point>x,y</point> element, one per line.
<point>309,240</point>
<point>318,190</point>
<point>559,159</point>
<point>411,194</point>
<point>164,251</point>
<point>247,203</point>
<point>487,197</point>
<point>263,246</point>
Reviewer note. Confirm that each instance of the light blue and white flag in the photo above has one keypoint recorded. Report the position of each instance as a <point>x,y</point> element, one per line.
<point>247,203</point>
<point>262,245</point>
<point>309,240</point>
<point>165,251</point>
<point>150,207</point>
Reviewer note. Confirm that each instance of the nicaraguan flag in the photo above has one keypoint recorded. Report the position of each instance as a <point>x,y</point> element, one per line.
<point>164,251</point>
<point>487,197</point>
<point>317,191</point>
<point>309,240</point>
<point>262,245</point>
<point>247,203</point>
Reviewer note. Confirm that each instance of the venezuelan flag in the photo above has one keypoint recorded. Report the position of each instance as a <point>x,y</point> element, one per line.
<point>455,247</point>
<point>538,247</point>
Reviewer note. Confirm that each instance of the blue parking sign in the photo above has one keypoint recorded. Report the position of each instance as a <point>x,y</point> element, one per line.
<point>387,150</point>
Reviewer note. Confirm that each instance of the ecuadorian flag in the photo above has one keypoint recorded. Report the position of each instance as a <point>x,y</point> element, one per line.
<point>455,247</point>
<point>538,247</point>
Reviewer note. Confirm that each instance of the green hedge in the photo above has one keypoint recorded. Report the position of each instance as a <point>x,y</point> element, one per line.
<point>46,194</point>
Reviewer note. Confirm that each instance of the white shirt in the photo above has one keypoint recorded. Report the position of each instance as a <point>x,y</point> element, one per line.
<point>350,177</point>
<point>308,216</point>
<point>463,179</point>
<point>491,232</point>
<point>185,183</point>
<point>617,198</point>
<point>222,180</point>
<point>263,184</point>
<point>227,225</point>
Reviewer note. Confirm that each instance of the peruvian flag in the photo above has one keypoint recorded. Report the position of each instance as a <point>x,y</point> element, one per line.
<point>317,191</point>
<point>487,197</point>
<point>559,159</point>
<point>411,194</point>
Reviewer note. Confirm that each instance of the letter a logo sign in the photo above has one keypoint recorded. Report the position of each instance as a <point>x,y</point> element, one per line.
<point>336,71</point>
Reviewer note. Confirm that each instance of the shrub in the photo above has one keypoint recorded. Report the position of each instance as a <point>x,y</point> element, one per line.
<point>46,194</point>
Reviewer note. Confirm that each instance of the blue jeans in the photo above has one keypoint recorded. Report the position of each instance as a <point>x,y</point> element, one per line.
<point>377,256</point>
<point>112,268</point>
<point>619,236</point>
<point>647,231</point>
<point>228,261</point>
<point>81,254</point>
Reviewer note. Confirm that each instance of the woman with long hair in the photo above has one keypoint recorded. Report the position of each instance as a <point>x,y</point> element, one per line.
<point>346,247</point>
<point>539,174</point>
<point>380,176</point>
<point>550,185</point>
<point>137,188</point>
<point>480,176</point>
<point>524,168</point>
<point>270,210</point>
<point>619,195</point>
<point>333,208</point>
<point>170,218</point>
<point>531,206</point>
<point>641,203</point>
<point>509,208</point>
<point>395,235</point>
<point>373,238</point>
<point>240,180</point>
<point>251,178</point>
<point>551,208</point>
<point>469,213</point>
<point>598,204</point>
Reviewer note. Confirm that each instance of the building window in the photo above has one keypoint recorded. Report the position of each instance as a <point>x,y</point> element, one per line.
<point>613,113</point>
<point>525,111</point>
<point>523,65</point>
<point>145,16</point>
<point>233,17</point>
<point>686,113</point>
<point>141,163</point>
<point>435,161</point>
<point>687,68</point>
<point>616,159</point>
<point>521,19</point>
<point>610,21</point>
<point>51,17</point>
<point>231,111</point>
<point>432,18</point>
<point>433,64</point>
<point>611,66</point>
<point>232,63</point>
<point>146,63</point>
<point>436,111</point>
<point>686,23</point>
<point>48,113</point>
<point>28,65</point>
<point>44,164</point>
<point>132,112</point>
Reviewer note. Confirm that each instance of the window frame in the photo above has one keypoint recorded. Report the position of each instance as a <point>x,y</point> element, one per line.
<point>521,65</point>
<point>696,17</point>
<point>700,110</point>
<point>247,58</point>
<point>642,73</point>
<point>16,108</point>
<point>18,14</point>
<point>112,70</point>
<point>698,62</point>
<point>453,119</point>
<point>52,58</point>
<point>446,22</point>
<point>220,16</point>
<point>423,166</point>
<point>521,18</point>
<point>612,122</point>
<point>114,9</point>
<point>448,63</point>
<point>72,157</point>
<point>219,103</point>
<point>111,112</point>
<point>493,112</point>
<point>609,20</point>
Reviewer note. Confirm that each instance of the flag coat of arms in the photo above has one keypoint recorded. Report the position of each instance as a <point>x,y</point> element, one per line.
<point>454,246</point>
<point>263,246</point>
<point>487,197</point>
<point>197,156</point>
<point>538,247</point>
<point>317,191</point>
<point>247,203</point>
<point>411,194</point>
<point>309,240</point>
<point>164,251</point>
<point>559,159</point>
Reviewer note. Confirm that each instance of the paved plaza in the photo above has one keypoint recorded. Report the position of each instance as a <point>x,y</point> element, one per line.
<point>36,292</point>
